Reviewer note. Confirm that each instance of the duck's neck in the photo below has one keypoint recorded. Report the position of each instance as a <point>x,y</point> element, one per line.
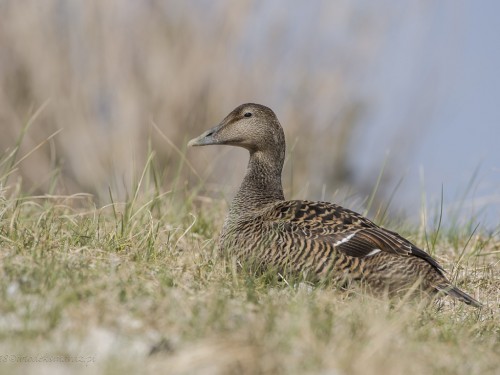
<point>261,185</point>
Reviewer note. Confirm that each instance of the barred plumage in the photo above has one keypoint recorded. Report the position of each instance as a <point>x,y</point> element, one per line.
<point>320,238</point>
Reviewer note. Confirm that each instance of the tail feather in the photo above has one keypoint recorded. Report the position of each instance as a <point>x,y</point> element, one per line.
<point>453,291</point>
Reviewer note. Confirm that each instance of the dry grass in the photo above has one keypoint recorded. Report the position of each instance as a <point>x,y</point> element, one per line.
<point>127,280</point>
<point>104,69</point>
<point>137,287</point>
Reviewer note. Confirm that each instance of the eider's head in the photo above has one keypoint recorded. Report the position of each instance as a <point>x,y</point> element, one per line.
<point>251,126</point>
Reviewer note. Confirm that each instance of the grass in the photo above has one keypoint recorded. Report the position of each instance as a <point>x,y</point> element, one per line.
<point>137,287</point>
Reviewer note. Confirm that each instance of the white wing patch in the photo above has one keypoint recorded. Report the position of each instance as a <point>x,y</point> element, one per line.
<point>344,240</point>
<point>373,252</point>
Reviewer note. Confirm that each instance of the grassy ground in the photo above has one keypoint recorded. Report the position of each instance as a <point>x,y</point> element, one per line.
<point>136,287</point>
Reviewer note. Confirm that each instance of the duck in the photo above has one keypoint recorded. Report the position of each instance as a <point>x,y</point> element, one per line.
<point>302,237</point>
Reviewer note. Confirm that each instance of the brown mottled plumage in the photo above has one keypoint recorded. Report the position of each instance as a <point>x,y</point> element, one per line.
<point>319,238</point>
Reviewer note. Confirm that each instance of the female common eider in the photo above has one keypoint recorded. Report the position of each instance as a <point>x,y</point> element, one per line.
<point>318,238</point>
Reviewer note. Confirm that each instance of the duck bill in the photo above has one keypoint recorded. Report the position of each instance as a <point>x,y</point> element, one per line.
<point>207,138</point>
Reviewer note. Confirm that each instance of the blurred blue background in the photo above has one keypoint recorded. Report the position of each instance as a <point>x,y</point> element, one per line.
<point>436,86</point>
<point>410,88</point>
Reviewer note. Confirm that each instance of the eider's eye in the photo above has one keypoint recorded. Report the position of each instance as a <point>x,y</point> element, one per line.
<point>248,114</point>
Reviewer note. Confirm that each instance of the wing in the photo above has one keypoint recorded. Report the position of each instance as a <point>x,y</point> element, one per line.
<point>348,231</point>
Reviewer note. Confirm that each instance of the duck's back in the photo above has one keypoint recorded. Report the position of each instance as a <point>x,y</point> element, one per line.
<point>326,240</point>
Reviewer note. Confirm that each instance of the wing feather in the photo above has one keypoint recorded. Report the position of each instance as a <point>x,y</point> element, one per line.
<point>346,230</point>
